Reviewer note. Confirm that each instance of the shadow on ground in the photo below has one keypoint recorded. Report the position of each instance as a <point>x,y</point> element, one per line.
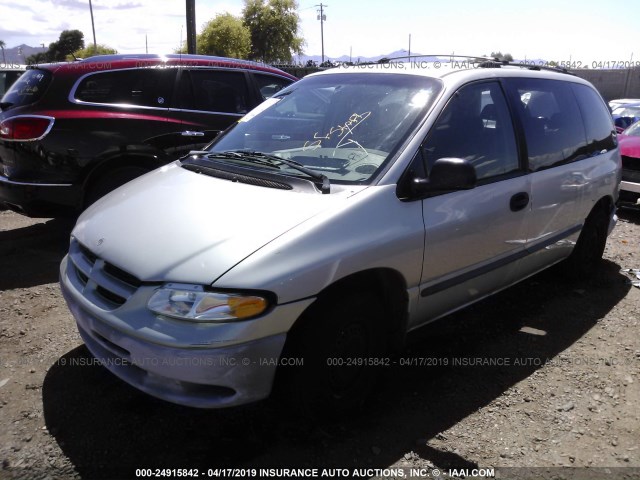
<point>31,255</point>
<point>629,214</point>
<point>107,428</point>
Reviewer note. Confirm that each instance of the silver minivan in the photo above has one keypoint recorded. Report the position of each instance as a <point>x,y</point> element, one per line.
<point>350,208</point>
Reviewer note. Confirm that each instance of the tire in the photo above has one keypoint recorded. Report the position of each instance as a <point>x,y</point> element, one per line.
<point>335,337</point>
<point>586,256</point>
<point>111,180</point>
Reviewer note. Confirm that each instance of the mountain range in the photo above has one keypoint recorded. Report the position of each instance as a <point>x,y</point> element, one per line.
<point>18,55</point>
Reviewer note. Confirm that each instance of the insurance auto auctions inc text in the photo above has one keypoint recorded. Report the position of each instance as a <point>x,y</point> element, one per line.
<point>386,473</point>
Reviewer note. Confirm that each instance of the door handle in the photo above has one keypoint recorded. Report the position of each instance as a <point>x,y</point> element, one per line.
<point>519,201</point>
<point>192,133</point>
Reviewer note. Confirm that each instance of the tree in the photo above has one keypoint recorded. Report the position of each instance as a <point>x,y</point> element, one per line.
<point>2,45</point>
<point>91,50</point>
<point>507,57</point>
<point>274,26</point>
<point>69,42</point>
<point>225,36</point>
<point>40,57</point>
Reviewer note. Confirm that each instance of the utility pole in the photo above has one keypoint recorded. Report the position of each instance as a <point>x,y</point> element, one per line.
<point>93,27</point>
<point>322,17</point>
<point>409,46</point>
<point>191,26</point>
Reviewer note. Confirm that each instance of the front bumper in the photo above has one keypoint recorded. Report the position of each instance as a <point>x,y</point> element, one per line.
<point>39,199</point>
<point>205,366</point>
<point>630,186</point>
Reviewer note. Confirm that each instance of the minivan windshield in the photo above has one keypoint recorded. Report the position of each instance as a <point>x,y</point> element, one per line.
<point>28,89</point>
<point>345,126</point>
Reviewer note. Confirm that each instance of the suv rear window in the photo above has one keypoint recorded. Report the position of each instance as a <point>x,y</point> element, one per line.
<point>28,89</point>
<point>142,87</point>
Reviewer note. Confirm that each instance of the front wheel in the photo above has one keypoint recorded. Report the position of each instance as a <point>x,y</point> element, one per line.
<point>340,342</point>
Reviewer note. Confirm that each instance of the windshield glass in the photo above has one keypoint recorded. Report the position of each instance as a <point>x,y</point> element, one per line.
<point>345,126</point>
<point>27,89</point>
<point>633,130</point>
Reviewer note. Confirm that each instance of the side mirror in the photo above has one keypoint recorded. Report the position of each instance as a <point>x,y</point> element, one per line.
<point>447,175</point>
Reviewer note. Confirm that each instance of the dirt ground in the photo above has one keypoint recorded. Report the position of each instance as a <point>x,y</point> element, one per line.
<point>543,375</point>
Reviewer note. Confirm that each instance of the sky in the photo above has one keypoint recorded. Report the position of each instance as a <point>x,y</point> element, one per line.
<point>563,30</point>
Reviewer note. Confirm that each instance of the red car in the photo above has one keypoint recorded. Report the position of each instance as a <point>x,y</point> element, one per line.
<point>629,142</point>
<point>71,132</point>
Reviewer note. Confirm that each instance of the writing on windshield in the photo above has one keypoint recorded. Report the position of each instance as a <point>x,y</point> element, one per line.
<point>342,133</point>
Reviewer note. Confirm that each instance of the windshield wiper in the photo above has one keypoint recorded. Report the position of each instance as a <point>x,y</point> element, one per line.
<point>5,105</point>
<point>274,161</point>
<point>234,155</point>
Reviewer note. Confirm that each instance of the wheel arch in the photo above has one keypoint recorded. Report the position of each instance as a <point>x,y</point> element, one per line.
<point>386,284</point>
<point>606,204</point>
<point>112,164</point>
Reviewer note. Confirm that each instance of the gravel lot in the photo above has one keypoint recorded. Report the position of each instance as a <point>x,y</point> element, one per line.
<point>545,374</point>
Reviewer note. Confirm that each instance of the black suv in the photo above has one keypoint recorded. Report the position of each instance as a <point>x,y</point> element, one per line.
<point>71,132</point>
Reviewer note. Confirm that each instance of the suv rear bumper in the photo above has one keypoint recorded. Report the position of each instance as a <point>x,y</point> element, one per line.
<point>38,199</point>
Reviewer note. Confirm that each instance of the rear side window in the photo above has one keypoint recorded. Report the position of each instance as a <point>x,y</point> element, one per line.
<point>148,87</point>
<point>214,91</point>
<point>28,89</point>
<point>476,126</point>
<point>270,85</point>
<point>597,120</point>
<point>551,120</point>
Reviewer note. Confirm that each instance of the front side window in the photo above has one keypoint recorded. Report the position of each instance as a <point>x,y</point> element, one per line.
<point>147,87</point>
<point>475,126</point>
<point>551,120</point>
<point>345,126</point>
<point>214,91</point>
<point>269,85</point>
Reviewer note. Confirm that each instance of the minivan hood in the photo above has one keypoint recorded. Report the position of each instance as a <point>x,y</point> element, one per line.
<point>176,225</point>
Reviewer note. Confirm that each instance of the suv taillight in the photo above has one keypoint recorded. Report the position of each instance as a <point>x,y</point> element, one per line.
<point>25,128</point>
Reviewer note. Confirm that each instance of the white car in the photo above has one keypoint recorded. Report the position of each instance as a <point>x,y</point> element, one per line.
<point>352,207</point>
<point>8,75</point>
<point>613,104</point>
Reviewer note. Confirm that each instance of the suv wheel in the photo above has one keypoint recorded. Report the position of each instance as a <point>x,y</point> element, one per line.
<point>339,340</point>
<point>110,181</point>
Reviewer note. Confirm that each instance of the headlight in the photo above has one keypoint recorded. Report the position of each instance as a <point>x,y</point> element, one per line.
<point>192,302</point>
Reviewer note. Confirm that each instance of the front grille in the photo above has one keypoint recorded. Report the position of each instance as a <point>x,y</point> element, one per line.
<point>630,163</point>
<point>91,258</point>
<point>121,275</point>
<point>631,175</point>
<point>104,284</point>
